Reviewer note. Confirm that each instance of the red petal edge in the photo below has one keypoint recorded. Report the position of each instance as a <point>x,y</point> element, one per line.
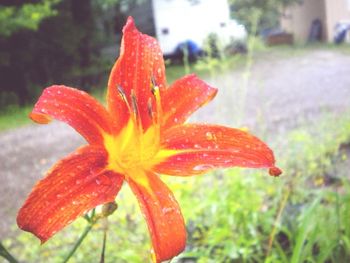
<point>183,98</point>
<point>72,187</point>
<point>76,108</point>
<point>205,147</point>
<point>163,216</point>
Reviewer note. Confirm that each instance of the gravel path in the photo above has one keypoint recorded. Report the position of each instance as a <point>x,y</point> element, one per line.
<point>281,94</point>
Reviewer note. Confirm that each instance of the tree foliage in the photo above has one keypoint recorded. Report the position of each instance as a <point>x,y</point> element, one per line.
<point>15,16</point>
<point>53,41</point>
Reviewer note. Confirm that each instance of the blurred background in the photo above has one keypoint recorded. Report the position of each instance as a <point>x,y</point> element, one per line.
<point>282,68</point>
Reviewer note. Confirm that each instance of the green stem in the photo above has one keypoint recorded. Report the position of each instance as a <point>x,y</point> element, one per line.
<point>277,220</point>
<point>337,211</point>
<point>102,260</point>
<point>6,255</point>
<point>80,240</point>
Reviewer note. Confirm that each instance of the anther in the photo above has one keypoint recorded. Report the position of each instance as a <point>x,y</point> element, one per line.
<point>154,86</point>
<point>121,92</point>
<point>134,103</point>
<point>153,81</point>
<point>149,108</point>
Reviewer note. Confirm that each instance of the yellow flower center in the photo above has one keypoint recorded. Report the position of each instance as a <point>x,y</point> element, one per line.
<point>132,149</point>
<point>133,152</point>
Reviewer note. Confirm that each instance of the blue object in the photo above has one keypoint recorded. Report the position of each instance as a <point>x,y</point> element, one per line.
<point>192,48</point>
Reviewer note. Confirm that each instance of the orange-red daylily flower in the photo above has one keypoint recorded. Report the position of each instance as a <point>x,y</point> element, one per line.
<point>140,135</point>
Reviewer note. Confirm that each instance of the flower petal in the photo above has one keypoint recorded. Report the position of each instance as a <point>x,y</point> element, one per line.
<point>73,186</point>
<point>162,213</point>
<point>76,108</point>
<point>183,98</point>
<point>198,148</point>
<point>140,60</point>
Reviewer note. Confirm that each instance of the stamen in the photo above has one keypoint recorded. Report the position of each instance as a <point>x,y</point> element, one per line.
<point>149,108</point>
<point>153,82</point>
<point>134,107</point>
<point>155,116</point>
<point>122,93</point>
<point>156,95</point>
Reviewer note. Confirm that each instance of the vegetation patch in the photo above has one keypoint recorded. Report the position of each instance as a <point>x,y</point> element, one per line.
<point>235,216</point>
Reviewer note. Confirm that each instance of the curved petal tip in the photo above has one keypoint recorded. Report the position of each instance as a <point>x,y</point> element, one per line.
<point>275,171</point>
<point>40,118</point>
<point>129,25</point>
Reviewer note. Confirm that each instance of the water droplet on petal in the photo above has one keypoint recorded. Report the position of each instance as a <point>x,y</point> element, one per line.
<point>78,181</point>
<point>103,180</point>
<point>209,135</point>
<point>98,181</point>
<point>203,167</point>
<point>167,210</point>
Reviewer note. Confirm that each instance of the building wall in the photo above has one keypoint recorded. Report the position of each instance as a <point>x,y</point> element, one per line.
<point>177,21</point>
<point>336,10</point>
<point>297,18</point>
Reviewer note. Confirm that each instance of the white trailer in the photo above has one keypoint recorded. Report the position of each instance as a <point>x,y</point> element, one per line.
<point>178,21</point>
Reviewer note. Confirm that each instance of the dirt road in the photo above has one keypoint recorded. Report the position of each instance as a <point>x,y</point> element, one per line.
<point>282,93</point>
